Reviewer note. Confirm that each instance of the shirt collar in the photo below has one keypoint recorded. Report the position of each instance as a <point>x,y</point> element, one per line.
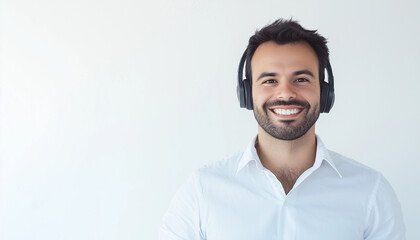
<point>322,154</point>
<point>250,154</point>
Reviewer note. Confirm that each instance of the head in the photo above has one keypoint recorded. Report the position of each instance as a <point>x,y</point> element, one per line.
<point>285,64</point>
<point>288,31</point>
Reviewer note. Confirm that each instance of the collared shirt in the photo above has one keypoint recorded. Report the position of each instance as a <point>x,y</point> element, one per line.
<point>239,199</point>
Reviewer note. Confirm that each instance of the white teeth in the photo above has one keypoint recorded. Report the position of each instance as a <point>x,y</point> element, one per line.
<point>286,111</point>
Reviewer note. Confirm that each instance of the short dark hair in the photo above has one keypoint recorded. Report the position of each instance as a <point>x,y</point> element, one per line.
<point>288,31</point>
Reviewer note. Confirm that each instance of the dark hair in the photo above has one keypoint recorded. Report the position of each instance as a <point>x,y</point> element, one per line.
<point>288,31</point>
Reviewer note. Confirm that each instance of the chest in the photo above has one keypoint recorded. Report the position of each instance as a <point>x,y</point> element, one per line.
<point>308,212</point>
<point>287,178</point>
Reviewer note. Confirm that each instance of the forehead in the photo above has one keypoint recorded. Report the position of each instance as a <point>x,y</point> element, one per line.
<point>284,58</point>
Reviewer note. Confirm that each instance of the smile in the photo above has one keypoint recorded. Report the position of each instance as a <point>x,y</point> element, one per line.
<point>287,112</point>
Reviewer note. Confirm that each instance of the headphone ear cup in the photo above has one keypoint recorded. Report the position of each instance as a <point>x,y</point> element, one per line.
<point>240,91</point>
<point>247,94</point>
<point>330,101</point>
<point>327,98</point>
<point>325,89</point>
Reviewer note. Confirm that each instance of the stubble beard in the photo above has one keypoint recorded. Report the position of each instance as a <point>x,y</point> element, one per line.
<point>287,131</point>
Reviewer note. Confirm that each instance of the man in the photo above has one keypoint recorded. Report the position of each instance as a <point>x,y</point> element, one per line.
<point>286,184</point>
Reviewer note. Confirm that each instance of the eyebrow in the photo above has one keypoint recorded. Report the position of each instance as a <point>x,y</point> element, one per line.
<point>271,74</point>
<point>267,74</point>
<point>307,72</point>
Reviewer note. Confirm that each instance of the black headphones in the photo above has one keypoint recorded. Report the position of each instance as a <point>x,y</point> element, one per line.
<point>244,89</point>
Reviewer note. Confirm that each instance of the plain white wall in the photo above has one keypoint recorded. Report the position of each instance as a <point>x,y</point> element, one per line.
<point>106,107</point>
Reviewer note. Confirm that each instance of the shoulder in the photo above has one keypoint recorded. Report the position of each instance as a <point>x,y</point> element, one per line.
<point>365,180</point>
<point>223,168</point>
<point>383,215</point>
<point>351,168</point>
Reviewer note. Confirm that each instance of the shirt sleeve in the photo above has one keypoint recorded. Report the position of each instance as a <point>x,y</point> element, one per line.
<point>384,219</point>
<point>182,220</point>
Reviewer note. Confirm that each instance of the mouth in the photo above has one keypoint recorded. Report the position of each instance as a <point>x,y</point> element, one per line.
<point>287,112</point>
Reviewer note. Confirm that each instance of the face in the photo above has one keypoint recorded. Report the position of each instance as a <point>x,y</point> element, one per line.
<point>285,89</point>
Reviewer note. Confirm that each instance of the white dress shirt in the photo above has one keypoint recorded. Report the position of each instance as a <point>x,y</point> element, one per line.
<point>238,199</point>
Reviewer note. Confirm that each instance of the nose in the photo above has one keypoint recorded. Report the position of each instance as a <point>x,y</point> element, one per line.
<point>285,92</point>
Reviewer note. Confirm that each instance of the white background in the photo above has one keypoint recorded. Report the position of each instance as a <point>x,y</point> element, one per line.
<point>106,107</point>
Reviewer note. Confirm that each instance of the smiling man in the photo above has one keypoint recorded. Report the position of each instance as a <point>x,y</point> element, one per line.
<point>286,96</point>
<point>285,184</point>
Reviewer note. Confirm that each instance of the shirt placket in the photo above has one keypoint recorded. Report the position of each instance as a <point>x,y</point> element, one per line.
<point>287,227</point>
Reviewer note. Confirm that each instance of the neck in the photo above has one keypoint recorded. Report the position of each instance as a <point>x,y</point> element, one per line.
<point>278,155</point>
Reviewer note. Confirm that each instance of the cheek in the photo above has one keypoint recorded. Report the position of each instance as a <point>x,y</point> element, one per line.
<point>312,95</point>
<point>261,95</point>
<point>314,99</point>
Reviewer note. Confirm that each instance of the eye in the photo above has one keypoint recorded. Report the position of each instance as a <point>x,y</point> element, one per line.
<point>301,80</point>
<point>269,81</point>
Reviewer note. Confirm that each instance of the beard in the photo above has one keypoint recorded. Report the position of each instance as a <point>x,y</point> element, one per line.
<point>287,131</point>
